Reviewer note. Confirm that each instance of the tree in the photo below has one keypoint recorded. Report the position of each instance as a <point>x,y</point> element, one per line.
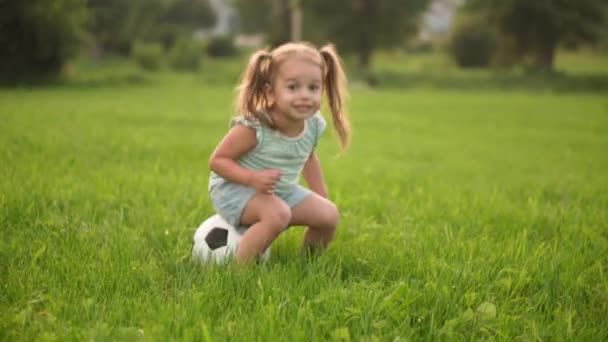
<point>117,24</point>
<point>181,17</point>
<point>358,26</point>
<point>362,26</point>
<point>272,17</point>
<point>38,36</point>
<point>536,28</point>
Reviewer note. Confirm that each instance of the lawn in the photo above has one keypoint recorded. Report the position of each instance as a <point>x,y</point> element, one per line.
<point>466,214</point>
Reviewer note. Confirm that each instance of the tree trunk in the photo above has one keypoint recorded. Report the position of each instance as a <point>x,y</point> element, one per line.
<point>365,40</point>
<point>281,30</point>
<point>365,53</point>
<point>546,44</point>
<point>545,57</point>
<point>296,21</point>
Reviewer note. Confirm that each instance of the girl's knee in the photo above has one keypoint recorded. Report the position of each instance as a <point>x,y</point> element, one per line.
<point>329,217</point>
<point>278,216</point>
<point>333,215</point>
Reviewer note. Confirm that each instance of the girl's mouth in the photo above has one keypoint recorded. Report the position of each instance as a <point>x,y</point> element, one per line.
<point>303,109</point>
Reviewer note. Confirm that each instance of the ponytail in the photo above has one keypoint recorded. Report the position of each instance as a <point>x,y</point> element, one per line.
<point>251,98</point>
<point>335,88</point>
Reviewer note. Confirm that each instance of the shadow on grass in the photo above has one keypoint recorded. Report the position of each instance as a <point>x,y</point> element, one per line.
<point>535,81</point>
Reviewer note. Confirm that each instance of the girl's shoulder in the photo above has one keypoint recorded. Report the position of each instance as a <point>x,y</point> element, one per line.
<point>249,122</point>
<point>318,122</point>
<point>245,121</point>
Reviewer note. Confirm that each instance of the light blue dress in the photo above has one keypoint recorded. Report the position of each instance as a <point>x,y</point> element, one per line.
<point>273,151</point>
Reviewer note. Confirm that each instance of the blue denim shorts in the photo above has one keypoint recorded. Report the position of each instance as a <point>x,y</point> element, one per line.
<point>230,199</point>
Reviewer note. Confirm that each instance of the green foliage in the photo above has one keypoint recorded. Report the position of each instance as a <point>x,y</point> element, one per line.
<point>358,27</point>
<point>271,17</point>
<point>193,13</point>
<point>149,56</point>
<point>363,26</point>
<point>185,55</point>
<point>473,44</point>
<point>221,47</point>
<point>179,18</point>
<point>534,29</point>
<point>167,34</point>
<point>417,46</point>
<point>466,216</point>
<point>38,36</point>
<point>254,16</point>
<point>117,23</point>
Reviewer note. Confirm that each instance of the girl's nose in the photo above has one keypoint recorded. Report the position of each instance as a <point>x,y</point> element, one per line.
<point>305,93</point>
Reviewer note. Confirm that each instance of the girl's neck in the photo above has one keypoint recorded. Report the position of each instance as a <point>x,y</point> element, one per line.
<point>287,127</point>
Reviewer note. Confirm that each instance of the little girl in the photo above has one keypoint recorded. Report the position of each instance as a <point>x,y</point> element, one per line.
<point>256,167</point>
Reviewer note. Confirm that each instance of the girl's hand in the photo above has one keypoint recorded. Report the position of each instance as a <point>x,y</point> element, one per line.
<point>265,181</point>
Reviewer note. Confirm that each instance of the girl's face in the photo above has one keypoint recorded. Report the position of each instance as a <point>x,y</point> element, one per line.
<point>297,88</point>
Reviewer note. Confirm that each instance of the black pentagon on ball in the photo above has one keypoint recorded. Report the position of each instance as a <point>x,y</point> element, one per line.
<point>217,237</point>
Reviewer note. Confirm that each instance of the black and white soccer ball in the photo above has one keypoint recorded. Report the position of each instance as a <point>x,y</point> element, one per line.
<point>216,241</point>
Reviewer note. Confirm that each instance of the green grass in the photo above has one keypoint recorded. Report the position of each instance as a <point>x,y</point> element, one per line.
<point>465,215</point>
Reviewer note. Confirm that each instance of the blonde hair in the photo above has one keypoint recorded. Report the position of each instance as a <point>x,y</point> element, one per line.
<point>263,65</point>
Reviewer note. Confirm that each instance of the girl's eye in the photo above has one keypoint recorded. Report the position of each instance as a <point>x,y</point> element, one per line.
<point>291,87</point>
<point>314,87</point>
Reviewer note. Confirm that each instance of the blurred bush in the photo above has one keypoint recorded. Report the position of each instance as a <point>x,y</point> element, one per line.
<point>167,35</point>
<point>38,36</point>
<point>222,46</point>
<point>419,46</point>
<point>149,56</point>
<point>507,54</point>
<point>473,44</point>
<point>185,55</point>
<point>530,32</point>
<point>116,24</point>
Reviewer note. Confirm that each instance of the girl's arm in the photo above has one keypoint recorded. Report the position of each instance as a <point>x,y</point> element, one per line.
<point>223,161</point>
<point>314,175</point>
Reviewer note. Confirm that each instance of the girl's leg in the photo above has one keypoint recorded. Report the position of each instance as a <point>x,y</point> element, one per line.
<point>268,216</point>
<point>320,215</point>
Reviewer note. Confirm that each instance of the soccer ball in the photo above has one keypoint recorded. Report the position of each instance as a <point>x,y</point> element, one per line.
<point>216,240</point>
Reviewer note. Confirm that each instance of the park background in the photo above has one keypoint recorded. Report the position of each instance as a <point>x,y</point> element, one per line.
<point>474,196</point>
